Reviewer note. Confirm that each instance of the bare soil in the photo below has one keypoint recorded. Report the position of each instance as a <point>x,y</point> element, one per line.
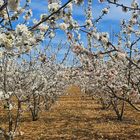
<point>74,117</point>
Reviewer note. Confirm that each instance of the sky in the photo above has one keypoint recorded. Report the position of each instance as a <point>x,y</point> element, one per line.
<point>109,23</point>
<point>114,15</point>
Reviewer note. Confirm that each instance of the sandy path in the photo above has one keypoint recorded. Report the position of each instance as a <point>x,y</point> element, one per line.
<point>73,117</point>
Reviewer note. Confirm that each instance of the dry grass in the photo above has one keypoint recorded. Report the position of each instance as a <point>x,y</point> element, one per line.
<point>75,118</point>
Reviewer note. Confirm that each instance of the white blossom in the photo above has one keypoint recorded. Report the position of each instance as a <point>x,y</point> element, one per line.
<point>6,40</point>
<point>13,4</point>
<point>70,6</point>
<point>10,107</point>
<point>138,33</point>
<point>63,26</point>
<point>105,11</point>
<point>121,55</point>
<point>134,4</point>
<point>52,35</point>
<point>22,29</point>
<point>1,54</point>
<point>104,37</point>
<point>1,2</point>
<point>1,95</point>
<point>43,27</point>
<point>53,6</point>
<point>89,23</point>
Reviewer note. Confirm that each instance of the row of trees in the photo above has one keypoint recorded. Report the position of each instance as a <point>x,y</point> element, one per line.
<point>32,76</point>
<point>112,72</point>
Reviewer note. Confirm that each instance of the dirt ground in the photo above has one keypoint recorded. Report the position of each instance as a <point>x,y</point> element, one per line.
<point>73,117</point>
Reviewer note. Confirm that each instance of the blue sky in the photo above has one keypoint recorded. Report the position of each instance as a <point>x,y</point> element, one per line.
<point>115,13</point>
<point>109,23</point>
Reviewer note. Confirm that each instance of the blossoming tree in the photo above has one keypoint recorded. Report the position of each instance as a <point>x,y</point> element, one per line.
<point>33,76</point>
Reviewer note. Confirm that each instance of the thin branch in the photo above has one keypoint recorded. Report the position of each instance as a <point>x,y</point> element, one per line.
<point>47,18</point>
<point>3,6</point>
<point>124,6</point>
